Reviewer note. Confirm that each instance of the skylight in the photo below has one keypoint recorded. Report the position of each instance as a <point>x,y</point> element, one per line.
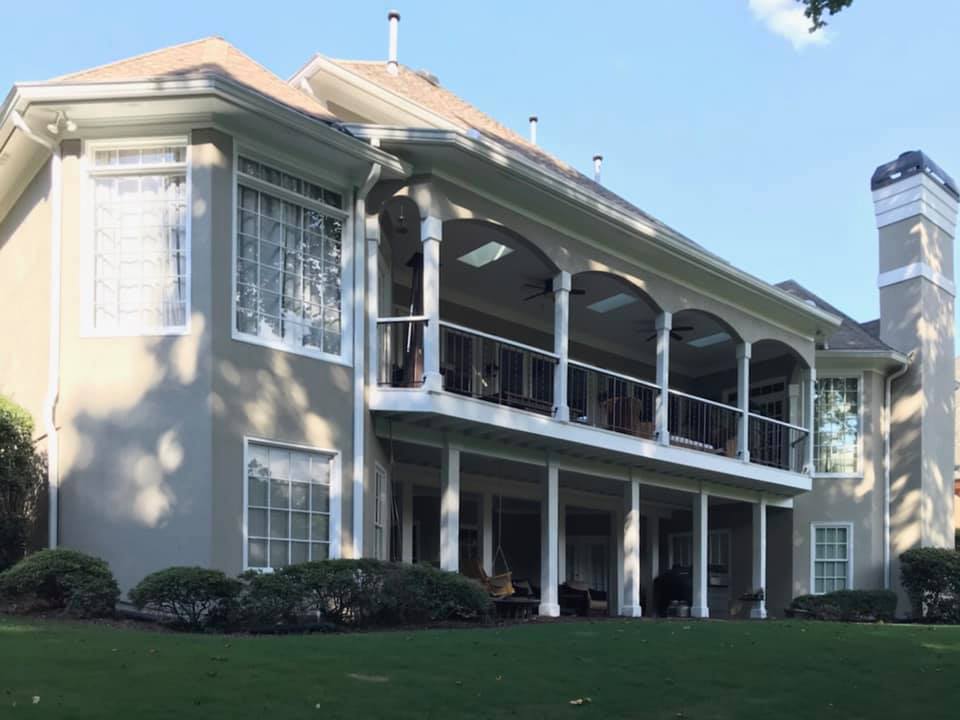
<point>485,254</point>
<point>708,340</point>
<point>612,303</point>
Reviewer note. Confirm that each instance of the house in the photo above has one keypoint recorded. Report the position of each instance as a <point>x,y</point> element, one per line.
<point>351,315</point>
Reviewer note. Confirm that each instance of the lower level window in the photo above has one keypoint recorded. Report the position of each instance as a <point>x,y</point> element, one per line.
<point>288,505</point>
<point>831,558</point>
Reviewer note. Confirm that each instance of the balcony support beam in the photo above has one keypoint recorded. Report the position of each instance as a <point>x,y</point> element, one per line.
<point>561,343</point>
<point>631,549</point>
<point>549,544</point>
<point>759,609</point>
<point>450,508</point>
<point>431,235</point>
<point>664,326</point>
<point>700,607</point>
<point>743,400</point>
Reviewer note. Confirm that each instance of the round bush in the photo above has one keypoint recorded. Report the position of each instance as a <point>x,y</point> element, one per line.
<point>191,597</point>
<point>849,605</point>
<point>414,594</point>
<point>62,579</point>
<point>348,592</point>
<point>270,599</point>
<point>22,478</point>
<point>931,577</point>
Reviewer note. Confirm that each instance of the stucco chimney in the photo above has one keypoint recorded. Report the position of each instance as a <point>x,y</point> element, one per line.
<point>393,18</point>
<point>533,128</point>
<point>597,166</point>
<point>915,204</point>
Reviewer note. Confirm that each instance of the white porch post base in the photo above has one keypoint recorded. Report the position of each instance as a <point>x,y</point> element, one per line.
<point>700,612</point>
<point>633,611</point>
<point>758,612</point>
<point>548,610</point>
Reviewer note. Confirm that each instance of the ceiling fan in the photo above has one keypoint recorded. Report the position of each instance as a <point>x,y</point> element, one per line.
<point>545,287</point>
<point>674,332</point>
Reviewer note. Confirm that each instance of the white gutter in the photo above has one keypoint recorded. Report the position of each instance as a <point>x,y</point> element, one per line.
<point>887,405</point>
<point>53,361</point>
<point>359,371</point>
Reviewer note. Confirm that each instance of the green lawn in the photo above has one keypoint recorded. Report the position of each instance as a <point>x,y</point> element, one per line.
<point>629,669</point>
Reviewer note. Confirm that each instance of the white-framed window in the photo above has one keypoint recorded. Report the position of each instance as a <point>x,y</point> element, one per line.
<point>718,550</point>
<point>290,274</point>
<point>831,557</point>
<point>380,512</point>
<point>138,264</point>
<point>837,425</point>
<point>289,508</point>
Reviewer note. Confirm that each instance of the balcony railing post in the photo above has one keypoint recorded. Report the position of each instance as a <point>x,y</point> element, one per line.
<point>809,414</point>
<point>664,325</point>
<point>431,235</point>
<point>372,228</point>
<point>561,343</point>
<point>743,400</point>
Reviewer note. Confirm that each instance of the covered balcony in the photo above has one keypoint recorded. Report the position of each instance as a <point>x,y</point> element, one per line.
<point>469,308</point>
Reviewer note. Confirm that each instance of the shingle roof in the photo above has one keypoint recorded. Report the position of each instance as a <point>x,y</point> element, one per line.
<point>851,335</point>
<point>416,87</point>
<point>208,56</point>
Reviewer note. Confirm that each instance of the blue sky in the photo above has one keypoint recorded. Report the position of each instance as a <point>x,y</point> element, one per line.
<point>723,119</point>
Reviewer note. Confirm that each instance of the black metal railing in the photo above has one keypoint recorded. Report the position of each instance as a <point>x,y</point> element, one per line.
<point>777,444</point>
<point>400,351</point>
<point>496,370</point>
<point>700,424</point>
<point>611,401</point>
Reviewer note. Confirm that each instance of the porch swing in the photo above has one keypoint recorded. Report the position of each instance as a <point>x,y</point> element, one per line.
<point>499,585</point>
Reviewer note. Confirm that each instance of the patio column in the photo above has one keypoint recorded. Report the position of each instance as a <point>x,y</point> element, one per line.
<point>373,299</point>
<point>743,400</point>
<point>549,521</point>
<point>700,609</point>
<point>653,555</point>
<point>406,530</point>
<point>631,550</point>
<point>561,342</point>
<point>486,538</point>
<point>431,234</point>
<point>664,325</point>
<point>562,544</point>
<point>450,508</point>
<point>759,610</point>
<point>809,405</point>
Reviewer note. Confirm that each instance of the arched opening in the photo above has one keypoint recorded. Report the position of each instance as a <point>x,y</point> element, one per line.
<point>613,354</point>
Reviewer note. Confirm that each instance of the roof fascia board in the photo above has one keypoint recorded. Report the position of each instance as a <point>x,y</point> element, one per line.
<point>225,88</point>
<point>881,360</point>
<point>530,171</point>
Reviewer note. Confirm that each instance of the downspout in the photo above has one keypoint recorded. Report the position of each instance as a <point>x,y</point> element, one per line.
<point>359,344</point>
<point>53,361</point>
<point>887,405</point>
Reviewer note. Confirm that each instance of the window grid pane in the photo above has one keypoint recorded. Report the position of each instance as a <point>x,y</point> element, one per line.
<point>288,506</point>
<point>140,264</point>
<point>831,559</point>
<point>288,274</point>
<point>837,425</point>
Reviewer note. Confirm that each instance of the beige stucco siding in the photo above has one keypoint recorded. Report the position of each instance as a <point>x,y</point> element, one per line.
<point>25,296</point>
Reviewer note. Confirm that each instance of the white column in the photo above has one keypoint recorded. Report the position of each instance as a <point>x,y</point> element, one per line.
<point>486,539</point>
<point>406,530</point>
<point>631,549</point>
<point>759,610</point>
<point>450,508</point>
<point>743,400</point>
<point>562,543</point>
<point>561,342</point>
<point>664,325</point>
<point>373,299</point>
<point>549,532</point>
<point>810,383</point>
<point>700,609</point>
<point>653,556</point>
<point>431,234</point>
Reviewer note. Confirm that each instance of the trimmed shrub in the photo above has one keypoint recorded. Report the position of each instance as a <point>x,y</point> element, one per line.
<point>22,476</point>
<point>849,605</point>
<point>347,592</point>
<point>61,579</point>
<point>931,577</point>
<point>420,594</point>
<point>191,597</point>
<point>269,599</point>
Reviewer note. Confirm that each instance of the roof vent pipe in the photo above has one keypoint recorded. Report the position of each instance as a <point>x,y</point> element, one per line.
<point>393,17</point>
<point>533,129</point>
<point>597,164</point>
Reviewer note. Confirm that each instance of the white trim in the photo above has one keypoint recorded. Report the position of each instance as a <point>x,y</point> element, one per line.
<point>916,270</point>
<point>336,501</point>
<point>612,373</point>
<point>813,552</point>
<point>88,171</point>
<point>346,258</point>
<point>858,473</point>
<point>497,338</point>
<point>916,195</point>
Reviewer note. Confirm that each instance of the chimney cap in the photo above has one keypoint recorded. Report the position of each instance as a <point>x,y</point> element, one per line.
<point>912,162</point>
<point>534,118</point>
<point>393,14</point>
<point>598,157</point>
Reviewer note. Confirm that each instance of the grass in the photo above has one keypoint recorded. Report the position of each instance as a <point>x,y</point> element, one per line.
<point>628,669</point>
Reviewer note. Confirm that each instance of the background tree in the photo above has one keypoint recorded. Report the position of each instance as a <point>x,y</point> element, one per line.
<point>22,477</point>
<point>815,10</point>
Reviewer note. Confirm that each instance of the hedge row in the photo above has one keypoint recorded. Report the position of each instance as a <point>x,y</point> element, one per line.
<point>931,577</point>
<point>355,593</point>
<point>848,606</point>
